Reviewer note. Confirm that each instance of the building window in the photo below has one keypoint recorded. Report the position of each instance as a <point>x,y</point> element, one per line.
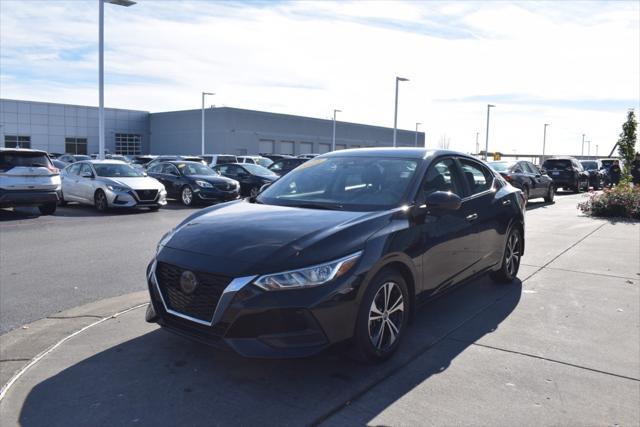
<point>75,145</point>
<point>16,141</point>
<point>128,144</point>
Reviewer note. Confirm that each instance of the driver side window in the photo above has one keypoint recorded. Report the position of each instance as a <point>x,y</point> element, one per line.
<point>442,176</point>
<point>86,169</point>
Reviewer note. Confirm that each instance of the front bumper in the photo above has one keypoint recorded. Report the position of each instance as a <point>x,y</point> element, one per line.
<point>129,199</point>
<point>215,195</point>
<point>263,324</point>
<point>11,198</point>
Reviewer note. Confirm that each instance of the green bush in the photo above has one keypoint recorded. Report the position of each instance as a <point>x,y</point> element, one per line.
<point>622,201</point>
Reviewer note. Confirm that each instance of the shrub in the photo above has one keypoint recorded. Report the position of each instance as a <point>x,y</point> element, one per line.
<point>621,201</point>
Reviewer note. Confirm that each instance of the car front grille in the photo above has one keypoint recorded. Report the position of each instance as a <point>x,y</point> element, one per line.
<point>225,186</point>
<point>201,303</point>
<point>146,195</point>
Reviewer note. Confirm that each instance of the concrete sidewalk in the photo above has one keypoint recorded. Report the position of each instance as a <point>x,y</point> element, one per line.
<point>561,346</point>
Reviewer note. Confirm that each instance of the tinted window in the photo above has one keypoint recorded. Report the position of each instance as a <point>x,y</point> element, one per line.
<point>226,159</point>
<point>557,164</point>
<point>156,169</point>
<point>526,167</point>
<point>73,169</point>
<point>501,166</point>
<point>11,159</point>
<point>277,166</point>
<point>478,177</point>
<point>258,170</point>
<point>190,169</point>
<point>442,177</point>
<point>170,169</point>
<point>534,169</point>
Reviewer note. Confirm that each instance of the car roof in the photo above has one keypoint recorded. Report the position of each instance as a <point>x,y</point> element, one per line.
<point>560,158</point>
<point>104,162</point>
<point>395,152</point>
<point>21,150</point>
<point>173,162</point>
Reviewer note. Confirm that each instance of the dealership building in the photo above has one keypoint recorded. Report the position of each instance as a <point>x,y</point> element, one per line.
<point>64,128</point>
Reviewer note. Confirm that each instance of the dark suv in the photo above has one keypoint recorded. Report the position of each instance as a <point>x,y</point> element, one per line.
<point>596,171</point>
<point>567,173</point>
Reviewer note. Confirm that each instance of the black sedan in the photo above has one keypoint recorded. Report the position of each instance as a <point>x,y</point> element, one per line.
<point>192,182</point>
<point>527,177</point>
<point>596,171</point>
<point>251,177</point>
<point>341,248</point>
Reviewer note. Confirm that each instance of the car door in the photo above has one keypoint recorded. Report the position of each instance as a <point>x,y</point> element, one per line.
<point>173,179</point>
<point>446,238</point>
<point>86,183</point>
<point>542,181</point>
<point>534,178</point>
<point>483,212</point>
<point>70,183</point>
<point>155,172</point>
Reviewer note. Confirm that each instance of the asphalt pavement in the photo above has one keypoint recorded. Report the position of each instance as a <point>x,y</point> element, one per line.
<point>559,346</point>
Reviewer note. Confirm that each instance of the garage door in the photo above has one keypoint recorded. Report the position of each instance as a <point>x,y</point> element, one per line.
<point>324,148</point>
<point>266,146</point>
<point>306,147</point>
<point>341,147</point>
<point>287,147</point>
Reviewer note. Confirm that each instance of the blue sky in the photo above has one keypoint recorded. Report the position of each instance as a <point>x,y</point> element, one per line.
<point>573,64</point>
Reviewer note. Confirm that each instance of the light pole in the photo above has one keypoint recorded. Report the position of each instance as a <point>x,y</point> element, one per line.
<point>582,150</point>
<point>395,116</point>
<point>333,140</point>
<point>416,142</point>
<point>596,150</point>
<point>588,147</point>
<point>101,3</point>
<point>477,143</point>
<point>202,122</point>
<point>544,142</point>
<point>486,146</point>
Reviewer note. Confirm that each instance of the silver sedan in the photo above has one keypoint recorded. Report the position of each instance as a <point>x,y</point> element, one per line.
<point>111,184</point>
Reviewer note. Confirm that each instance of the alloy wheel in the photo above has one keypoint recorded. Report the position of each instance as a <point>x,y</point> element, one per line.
<point>101,201</point>
<point>512,254</point>
<point>386,316</point>
<point>187,196</point>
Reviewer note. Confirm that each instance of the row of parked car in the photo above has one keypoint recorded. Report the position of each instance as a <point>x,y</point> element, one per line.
<point>34,178</point>
<point>556,172</point>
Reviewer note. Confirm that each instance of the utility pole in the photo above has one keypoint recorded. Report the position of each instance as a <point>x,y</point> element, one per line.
<point>544,142</point>
<point>395,114</point>
<point>333,140</point>
<point>477,143</point>
<point>202,122</point>
<point>582,151</point>
<point>486,146</point>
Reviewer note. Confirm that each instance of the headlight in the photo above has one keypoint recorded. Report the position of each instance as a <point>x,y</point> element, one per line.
<point>308,277</point>
<point>204,184</point>
<point>117,188</point>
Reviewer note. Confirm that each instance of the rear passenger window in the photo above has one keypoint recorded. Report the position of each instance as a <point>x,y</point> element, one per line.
<point>478,177</point>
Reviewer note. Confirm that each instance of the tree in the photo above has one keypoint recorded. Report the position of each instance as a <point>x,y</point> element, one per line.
<point>627,141</point>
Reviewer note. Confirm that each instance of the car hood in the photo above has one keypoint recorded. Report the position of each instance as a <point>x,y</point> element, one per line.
<point>135,183</point>
<point>242,238</point>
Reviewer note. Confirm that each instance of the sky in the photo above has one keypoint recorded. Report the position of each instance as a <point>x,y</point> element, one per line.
<point>572,64</point>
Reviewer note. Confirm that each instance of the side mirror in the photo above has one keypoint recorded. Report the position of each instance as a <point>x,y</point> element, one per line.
<point>438,202</point>
<point>86,175</point>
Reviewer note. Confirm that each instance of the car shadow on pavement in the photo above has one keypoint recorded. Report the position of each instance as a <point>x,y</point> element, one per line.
<point>152,377</point>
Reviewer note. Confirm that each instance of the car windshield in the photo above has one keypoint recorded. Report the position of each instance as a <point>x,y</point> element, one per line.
<point>590,165</point>
<point>264,162</point>
<point>190,169</point>
<point>257,169</point>
<point>80,157</point>
<point>501,166</point>
<point>556,164</point>
<point>9,160</point>
<point>358,184</point>
<point>116,170</point>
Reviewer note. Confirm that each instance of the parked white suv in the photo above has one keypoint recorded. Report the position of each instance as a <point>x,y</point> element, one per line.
<point>28,178</point>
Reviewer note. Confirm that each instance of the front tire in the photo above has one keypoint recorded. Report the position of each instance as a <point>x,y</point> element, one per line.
<point>47,209</point>
<point>511,258</point>
<point>382,317</point>
<point>100,201</point>
<point>550,194</point>
<point>186,196</point>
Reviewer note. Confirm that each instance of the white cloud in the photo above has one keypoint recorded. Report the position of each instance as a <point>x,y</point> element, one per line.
<point>310,57</point>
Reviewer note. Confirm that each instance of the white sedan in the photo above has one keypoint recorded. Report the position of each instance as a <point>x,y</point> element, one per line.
<point>111,184</point>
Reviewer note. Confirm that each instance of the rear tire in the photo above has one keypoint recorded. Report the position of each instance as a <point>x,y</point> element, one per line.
<point>100,201</point>
<point>47,209</point>
<point>382,317</point>
<point>511,258</point>
<point>551,193</point>
<point>525,192</point>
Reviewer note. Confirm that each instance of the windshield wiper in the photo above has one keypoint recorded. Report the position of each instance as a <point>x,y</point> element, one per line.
<point>329,207</point>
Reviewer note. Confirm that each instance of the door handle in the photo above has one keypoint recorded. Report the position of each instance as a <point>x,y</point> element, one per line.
<point>472,217</point>
<point>506,202</point>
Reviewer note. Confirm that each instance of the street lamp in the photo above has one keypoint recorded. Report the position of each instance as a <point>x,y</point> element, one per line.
<point>202,121</point>
<point>582,150</point>
<point>416,143</point>
<point>596,150</point>
<point>477,143</point>
<point>486,145</point>
<point>333,140</point>
<point>544,142</point>
<point>588,147</point>
<point>395,116</point>
<point>101,3</point>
